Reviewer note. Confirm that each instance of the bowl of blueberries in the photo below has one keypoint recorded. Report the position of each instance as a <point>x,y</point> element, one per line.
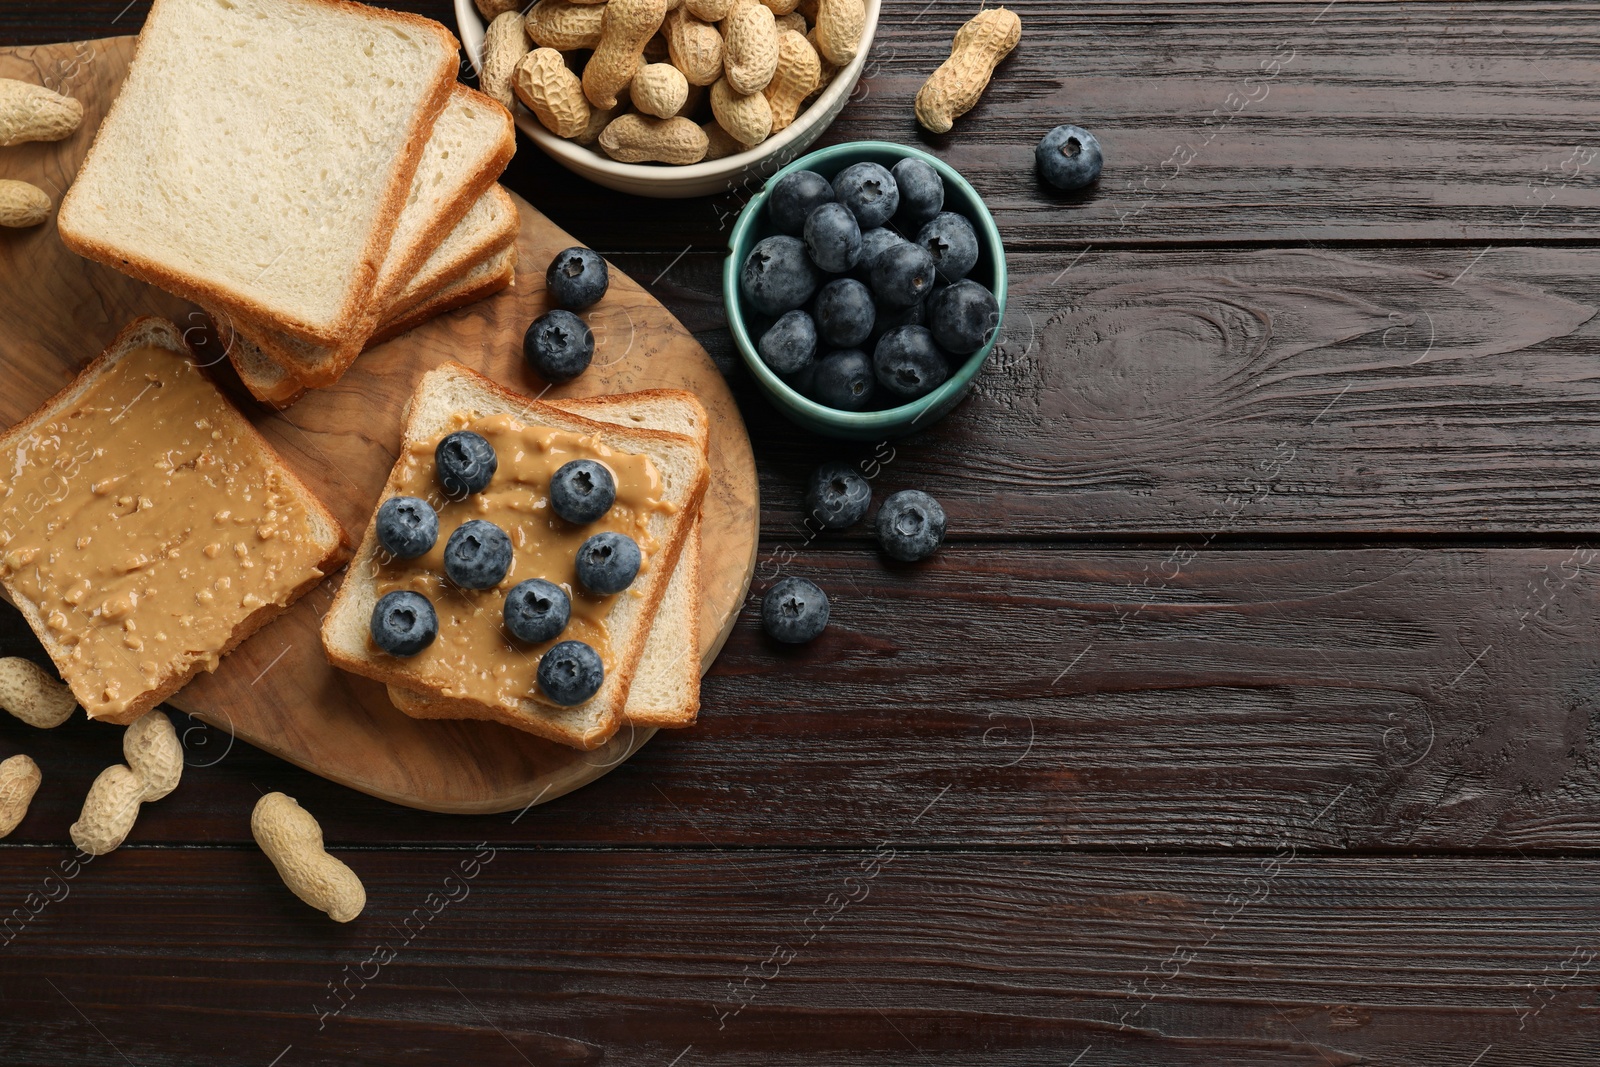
<point>865,285</point>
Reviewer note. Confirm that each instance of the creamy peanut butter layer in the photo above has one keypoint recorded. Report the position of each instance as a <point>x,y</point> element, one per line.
<point>474,657</point>
<point>146,528</point>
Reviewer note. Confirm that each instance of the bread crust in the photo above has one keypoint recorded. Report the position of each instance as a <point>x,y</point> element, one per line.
<point>608,714</point>
<point>161,333</point>
<point>349,319</point>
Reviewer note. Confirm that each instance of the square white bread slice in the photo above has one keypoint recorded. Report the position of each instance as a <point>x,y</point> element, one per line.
<point>666,686</point>
<point>204,475</point>
<point>260,153</point>
<point>269,383</point>
<point>490,226</point>
<point>683,469</point>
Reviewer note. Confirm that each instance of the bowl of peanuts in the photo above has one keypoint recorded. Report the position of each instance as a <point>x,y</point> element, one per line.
<point>670,98</point>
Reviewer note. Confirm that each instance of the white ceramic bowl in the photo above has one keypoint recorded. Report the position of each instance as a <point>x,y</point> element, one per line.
<point>697,179</point>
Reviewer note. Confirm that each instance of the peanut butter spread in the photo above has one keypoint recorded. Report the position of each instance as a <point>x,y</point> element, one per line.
<point>474,657</point>
<point>146,523</point>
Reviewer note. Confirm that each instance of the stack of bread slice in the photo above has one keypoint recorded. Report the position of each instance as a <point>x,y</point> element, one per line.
<point>653,679</point>
<point>308,171</point>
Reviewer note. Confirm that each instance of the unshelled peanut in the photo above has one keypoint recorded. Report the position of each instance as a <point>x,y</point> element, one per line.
<point>109,811</point>
<point>659,89</point>
<point>749,47</point>
<point>292,840</point>
<point>19,780</point>
<point>505,42</point>
<point>492,9</point>
<point>746,116</point>
<point>598,121</point>
<point>565,26</point>
<point>839,25</point>
<point>792,21</point>
<point>154,753</point>
<point>954,89</point>
<point>799,73</point>
<point>22,205</point>
<point>30,694</point>
<point>780,7</point>
<point>31,112</point>
<point>552,92</point>
<point>626,29</point>
<point>709,10</point>
<point>720,144</point>
<point>640,139</point>
<point>694,46</point>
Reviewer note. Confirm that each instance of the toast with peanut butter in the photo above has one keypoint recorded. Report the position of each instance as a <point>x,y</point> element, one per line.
<point>146,528</point>
<point>472,668</point>
<point>666,687</point>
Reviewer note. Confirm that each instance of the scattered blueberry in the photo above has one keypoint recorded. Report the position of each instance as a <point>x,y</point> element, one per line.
<point>890,317</point>
<point>902,274</point>
<point>407,526</point>
<point>404,623</point>
<point>582,490</point>
<point>791,344</point>
<point>558,346</point>
<point>833,238</point>
<point>608,562</point>
<point>910,525</point>
<point>778,276</point>
<point>908,364</point>
<point>951,242</point>
<point>794,611</point>
<point>577,279</point>
<point>571,673</point>
<point>869,191</point>
<point>963,317</point>
<point>1069,157</point>
<point>536,610</point>
<point>478,555</point>
<point>796,196</point>
<point>843,380</point>
<point>838,496</point>
<point>465,463</point>
<point>845,313</point>
<point>921,192</point>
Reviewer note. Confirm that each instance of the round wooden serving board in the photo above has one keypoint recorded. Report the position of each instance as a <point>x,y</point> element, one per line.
<point>277,691</point>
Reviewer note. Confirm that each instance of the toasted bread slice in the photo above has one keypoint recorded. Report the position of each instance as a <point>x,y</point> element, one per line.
<point>259,156</point>
<point>81,581</point>
<point>269,383</point>
<point>666,686</point>
<point>682,466</point>
<point>490,226</point>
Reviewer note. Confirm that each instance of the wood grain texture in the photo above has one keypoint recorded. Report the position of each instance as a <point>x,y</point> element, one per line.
<point>277,690</point>
<point>1184,698</point>
<point>882,956</point>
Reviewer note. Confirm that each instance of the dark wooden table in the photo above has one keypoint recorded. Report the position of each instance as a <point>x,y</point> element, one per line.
<point>1250,716</point>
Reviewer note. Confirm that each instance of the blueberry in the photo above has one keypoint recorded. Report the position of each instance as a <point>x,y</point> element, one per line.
<point>833,238</point>
<point>404,623</point>
<point>794,197</point>
<point>407,526</point>
<point>571,673</point>
<point>778,276</point>
<point>888,318</point>
<point>536,610</point>
<point>949,239</point>
<point>465,463</point>
<point>870,193</point>
<point>478,555</point>
<point>902,275</point>
<point>791,344</point>
<point>874,243</point>
<point>577,279</point>
<point>838,496</point>
<point>582,490</point>
<point>794,611</point>
<point>908,364</point>
<point>558,346</point>
<point>608,562</point>
<point>845,313</point>
<point>1068,157</point>
<point>844,380</point>
<point>921,192</point>
<point>910,525</point>
<point>963,317</point>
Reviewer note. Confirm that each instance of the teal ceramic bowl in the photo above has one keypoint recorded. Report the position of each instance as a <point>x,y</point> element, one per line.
<point>753,225</point>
